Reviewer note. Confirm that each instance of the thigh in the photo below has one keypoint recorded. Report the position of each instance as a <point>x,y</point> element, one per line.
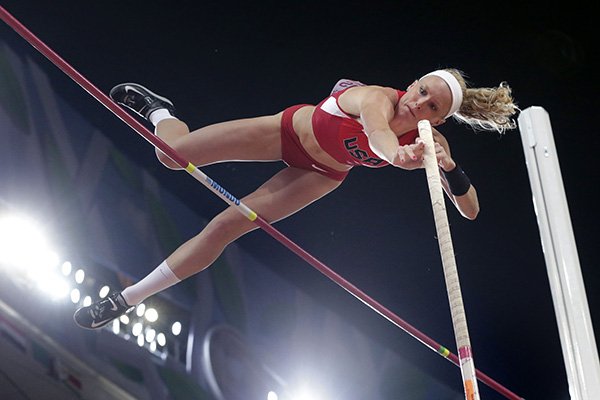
<point>287,192</point>
<point>251,139</point>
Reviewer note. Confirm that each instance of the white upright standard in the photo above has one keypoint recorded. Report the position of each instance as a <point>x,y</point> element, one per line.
<point>562,261</point>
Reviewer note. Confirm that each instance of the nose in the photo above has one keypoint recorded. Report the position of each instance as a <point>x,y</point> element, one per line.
<point>417,105</point>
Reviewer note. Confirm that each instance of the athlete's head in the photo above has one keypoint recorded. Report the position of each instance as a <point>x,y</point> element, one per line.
<point>429,98</point>
<point>444,93</point>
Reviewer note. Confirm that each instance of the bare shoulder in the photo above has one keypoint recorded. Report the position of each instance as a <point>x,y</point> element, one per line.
<point>354,98</point>
<point>369,90</point>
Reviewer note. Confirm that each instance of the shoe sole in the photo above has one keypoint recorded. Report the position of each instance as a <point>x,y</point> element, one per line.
<point>150,92</point>
<point>90,328</point>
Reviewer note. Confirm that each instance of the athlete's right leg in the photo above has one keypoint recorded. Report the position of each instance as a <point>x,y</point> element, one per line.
<point>251,139</point>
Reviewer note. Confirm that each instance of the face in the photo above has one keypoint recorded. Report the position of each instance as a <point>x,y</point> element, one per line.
<point>428,98</point>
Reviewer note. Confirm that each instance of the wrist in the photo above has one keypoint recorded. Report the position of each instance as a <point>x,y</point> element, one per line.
<point>450,167</point>
<point>458,181</point>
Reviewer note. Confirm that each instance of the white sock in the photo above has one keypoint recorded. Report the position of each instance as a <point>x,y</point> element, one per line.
<point>158,115</point>
<point>159,279</point>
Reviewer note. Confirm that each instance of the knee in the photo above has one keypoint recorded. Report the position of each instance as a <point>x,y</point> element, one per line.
<point>227,227</point>
<point>172,131</point>
<point>180,149</point>
<point>166,161</point>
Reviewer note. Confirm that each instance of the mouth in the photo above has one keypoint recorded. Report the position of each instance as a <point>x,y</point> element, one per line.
<point>411,112</point>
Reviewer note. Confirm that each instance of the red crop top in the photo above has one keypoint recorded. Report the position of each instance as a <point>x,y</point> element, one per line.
<point>343,137</point>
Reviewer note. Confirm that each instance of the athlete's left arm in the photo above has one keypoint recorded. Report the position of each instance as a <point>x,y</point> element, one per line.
<point>468,203</point>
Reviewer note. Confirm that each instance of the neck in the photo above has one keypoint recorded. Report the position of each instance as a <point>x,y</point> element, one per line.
<point>400,126</point>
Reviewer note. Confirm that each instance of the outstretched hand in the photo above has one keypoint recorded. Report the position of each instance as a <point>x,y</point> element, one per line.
<point>410,156</point>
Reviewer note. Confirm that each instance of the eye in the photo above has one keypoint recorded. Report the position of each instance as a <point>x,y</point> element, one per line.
<point>422,91</point>
<point>434,107</point>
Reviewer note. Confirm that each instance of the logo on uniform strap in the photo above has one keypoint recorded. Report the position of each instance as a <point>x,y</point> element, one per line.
<point>358,153</point>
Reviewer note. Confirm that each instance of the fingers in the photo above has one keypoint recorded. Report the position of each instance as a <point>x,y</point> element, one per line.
<point>443,159</point>
<point>417,149</point>
<point>412,152</point>
<point>440,154</point>
<point>410,156</point>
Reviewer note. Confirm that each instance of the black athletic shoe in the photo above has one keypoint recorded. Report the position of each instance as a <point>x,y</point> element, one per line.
<point>102,312</point>
<point>139,99</point>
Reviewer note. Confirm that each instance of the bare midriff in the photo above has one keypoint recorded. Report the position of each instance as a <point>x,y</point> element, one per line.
<point>303,126</point>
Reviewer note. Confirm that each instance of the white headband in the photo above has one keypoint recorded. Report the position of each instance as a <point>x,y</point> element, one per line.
<point>454,86</point>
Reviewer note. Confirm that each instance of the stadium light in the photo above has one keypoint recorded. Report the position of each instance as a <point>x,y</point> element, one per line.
<point>137,329</point>
<point>140,310</point>
<point>55,286</point>
<point>75,296</point>
<point>116,327</point>
<point>151,315</point>
<point>161,339</point>
<point>104,291</point>
<point>176,328</point>
<point>150,335</point>
<point>23,244</point>
<point>66,268</point>
<point>79,276</point>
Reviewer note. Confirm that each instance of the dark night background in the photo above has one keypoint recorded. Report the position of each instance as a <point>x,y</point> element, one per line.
<point>223,60</point>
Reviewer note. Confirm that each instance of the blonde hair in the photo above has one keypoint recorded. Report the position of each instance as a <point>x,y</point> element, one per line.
<point>487,109</point>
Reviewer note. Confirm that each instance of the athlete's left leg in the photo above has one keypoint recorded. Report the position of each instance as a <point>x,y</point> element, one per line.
<point>287,192</point>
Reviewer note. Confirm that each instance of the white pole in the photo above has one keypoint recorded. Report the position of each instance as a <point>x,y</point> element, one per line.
<point>562,261</point>
<point>457,309</point>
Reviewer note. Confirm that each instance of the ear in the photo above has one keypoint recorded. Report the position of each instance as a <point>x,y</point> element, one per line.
<point>438,122</point>
<point>412,84</point>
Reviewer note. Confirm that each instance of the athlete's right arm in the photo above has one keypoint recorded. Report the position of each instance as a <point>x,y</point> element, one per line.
<point>374,105</point>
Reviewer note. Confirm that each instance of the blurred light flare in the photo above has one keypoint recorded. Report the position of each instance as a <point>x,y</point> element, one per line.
<point>116,327</point>
<point>151,315</point>
<point>176,328</point>
<point>23,244</point>
<point>309,392</point>
<point>150,335</point>
<point>79,276</point>
<point>140,310</point>
<point>66,268</point>
<point>305,395</point>
<point>161,339</point>
<point>104,291</point>
<point>55,286</point>
<point>137,328</point>
<point>75,296</point>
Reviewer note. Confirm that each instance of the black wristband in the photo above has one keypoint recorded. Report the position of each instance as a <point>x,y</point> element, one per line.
<point>458,182</point>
